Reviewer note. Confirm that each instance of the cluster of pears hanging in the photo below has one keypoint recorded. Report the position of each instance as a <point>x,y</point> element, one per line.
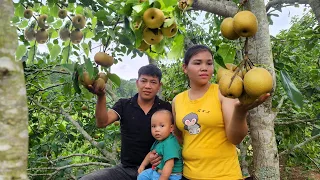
<point>245,81</point>
<point>65,33</point>
<point>154,28</point>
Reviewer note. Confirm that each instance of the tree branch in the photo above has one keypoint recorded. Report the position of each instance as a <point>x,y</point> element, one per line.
<point>274,3</point>
<point>222,8</point>
<point>85,155</point>
<point>278,122</point>
<point>299,145</point>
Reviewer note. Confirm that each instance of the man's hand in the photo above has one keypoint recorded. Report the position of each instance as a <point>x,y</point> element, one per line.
<point>95,90</point>
<point>154,158</point>
<point>141,168</point>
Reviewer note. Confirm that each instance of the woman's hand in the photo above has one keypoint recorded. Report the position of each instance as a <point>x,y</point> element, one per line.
<point>256,103</point>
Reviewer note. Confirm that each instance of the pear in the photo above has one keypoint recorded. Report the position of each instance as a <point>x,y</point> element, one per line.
<point>42,21</point>
<point>170,31</point>
<point>62,13</point>
<point>76,36</point>
<point>257,81</point>
<point>245,24</point>
<point>29,34</point>
<point>143,46</point>
<point>152,37</point>
<point>99,84</point>
<point>226,28</point>
<point>78,21</point>
<point>28,13</point>
<point>103,59</point>
<point>85,80</point>
<point>153,18</point>
<point>236,88</point>
<point>42,36</point>
<point>103,76</point>
<point>64,34</point>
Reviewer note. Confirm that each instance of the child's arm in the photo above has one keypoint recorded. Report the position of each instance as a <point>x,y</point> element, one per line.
<point>144,163</point>
<point>167,169</point>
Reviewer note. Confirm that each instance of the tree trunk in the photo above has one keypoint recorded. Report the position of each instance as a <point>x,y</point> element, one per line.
<point>13,102</point>
<point>261,119</point>
<point>315,5</point>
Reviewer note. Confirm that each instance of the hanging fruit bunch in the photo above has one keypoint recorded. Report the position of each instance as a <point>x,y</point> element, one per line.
<point>245,81</point>
<point>154,26</point>
<point>37,30</point>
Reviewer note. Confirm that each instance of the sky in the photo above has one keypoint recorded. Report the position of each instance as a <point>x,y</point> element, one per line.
<point>128,68</point>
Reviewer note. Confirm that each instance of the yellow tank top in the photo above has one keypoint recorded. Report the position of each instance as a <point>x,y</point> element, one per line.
<point>207,154</point>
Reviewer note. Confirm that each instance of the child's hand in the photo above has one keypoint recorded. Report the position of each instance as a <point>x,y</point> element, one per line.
<point>141,168</point>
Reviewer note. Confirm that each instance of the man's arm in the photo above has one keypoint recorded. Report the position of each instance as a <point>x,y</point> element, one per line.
<point>144,163</point>
<point>167,169</point>
<point>104,117</point>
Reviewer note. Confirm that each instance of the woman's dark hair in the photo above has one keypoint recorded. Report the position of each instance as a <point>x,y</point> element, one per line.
<point>150,70</point>
<point>193,51</point>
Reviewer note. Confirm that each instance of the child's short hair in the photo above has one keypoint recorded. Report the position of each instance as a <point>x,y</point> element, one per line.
<point>165,111</point>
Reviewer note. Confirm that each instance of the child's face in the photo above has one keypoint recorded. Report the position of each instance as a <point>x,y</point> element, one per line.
<point>161,126</point>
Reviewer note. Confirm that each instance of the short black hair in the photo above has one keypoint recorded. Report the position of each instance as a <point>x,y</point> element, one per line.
<point>150,70</point>
<point>165,111</point>
<point>193,51</point>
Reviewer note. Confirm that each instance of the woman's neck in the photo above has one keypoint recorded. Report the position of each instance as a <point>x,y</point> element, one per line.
<point>197,91</point>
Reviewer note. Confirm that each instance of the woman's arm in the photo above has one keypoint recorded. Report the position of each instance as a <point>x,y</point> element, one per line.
<point>234,116</point>
<point>176,131</point>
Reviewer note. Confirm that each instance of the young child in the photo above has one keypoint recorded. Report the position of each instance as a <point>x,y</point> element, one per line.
<point>166,146</point>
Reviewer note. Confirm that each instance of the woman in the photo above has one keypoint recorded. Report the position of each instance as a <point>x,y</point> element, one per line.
<point>208,124</point>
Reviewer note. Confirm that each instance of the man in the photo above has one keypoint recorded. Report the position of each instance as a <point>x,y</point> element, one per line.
<point>135,118</point>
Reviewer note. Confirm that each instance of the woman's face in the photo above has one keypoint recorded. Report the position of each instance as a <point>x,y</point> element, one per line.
<point>200,68</point>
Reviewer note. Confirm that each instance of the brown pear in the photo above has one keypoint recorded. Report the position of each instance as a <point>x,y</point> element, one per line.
<point>153,18</point>
<point>79,21</point>
<point>226,28</point>
<point>103,76</point>
<point>62,13</point>
<point>28,13</point>
<point>29,34</point>
<point>42,36</point>
<point>170,31</point>
<point>152,37</point>
<point>85,79</point>
<point>99,84</point>
<point>76,36</point>
<point>64,34</point>
<point>245,24</point>
<point>42,19</point>
<point>103,59</point>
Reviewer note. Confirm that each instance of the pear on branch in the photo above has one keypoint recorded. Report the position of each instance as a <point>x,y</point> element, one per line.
<point>30,33</point>
<point>76,36</point>
<point>170,31</point>
<point>79,21</point>
<point>62,13</point>
<point>42,19</point>
<point>152,36</point>
<point>245,24</point>
<point>103,59</point>
<point>42,36</point>
<point>227,30</point>
<point>153,18</point>
<point>28,13</point>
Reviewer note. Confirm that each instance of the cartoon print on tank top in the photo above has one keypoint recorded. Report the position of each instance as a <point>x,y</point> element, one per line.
<point>190,122</point>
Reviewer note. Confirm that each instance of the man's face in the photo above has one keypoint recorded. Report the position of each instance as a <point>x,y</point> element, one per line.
<point>148,86</point>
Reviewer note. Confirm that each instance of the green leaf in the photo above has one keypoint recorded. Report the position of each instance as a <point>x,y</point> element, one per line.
<point>115,79</point>
<point>291,90</point>
<point>56,49</point>
<point>23,24</point>
<point>89,67</point>
<point>18,11</point>
<point>169,3</point>
<point>75,81</point>
<point>94,22</point>
<point>66,54</point>
<point>62,127</point>
<point>138,8</point>
<point>21,51</point>
<point>79,9</point>
<point>101,15</point>
<point>57,24</point>
<point>227,53</point>
<point>177,47</point>
<point>85,47</point>
<point>54,10</point>
<point>54,35</point>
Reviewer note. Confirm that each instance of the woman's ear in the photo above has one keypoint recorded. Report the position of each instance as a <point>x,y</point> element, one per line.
<point>184,68</point>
